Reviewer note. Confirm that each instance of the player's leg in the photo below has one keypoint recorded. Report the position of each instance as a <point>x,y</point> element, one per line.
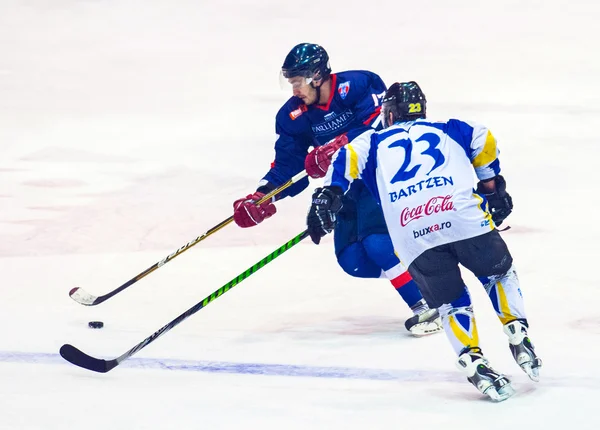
<point>364,249</point>
<point>488,257</point>
<point>438,275</point>
<point>380,250</point>
<point>372,233</point>
<point>350,253</point>
<point>354,261</point>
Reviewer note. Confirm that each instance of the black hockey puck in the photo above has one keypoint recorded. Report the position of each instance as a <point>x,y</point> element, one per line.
<point>96,324</point>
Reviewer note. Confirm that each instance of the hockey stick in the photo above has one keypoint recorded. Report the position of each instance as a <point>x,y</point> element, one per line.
<point>82,297</point>
<point>81,359</point>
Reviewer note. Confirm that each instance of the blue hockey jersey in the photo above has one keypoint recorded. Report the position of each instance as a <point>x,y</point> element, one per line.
<point>353,108</point>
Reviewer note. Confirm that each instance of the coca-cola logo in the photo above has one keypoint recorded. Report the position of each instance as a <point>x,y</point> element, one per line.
<point>435,205</point>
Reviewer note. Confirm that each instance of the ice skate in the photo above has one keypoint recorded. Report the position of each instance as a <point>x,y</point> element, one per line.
<point>522,349</point>
<point>483,377</point>
<point>425,322</point>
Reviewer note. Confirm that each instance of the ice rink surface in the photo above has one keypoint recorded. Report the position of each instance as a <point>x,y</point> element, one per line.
<point>127,128</point>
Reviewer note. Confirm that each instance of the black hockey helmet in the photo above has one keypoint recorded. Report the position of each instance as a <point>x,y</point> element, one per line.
<point>307,60</point>
<point>405,100</point>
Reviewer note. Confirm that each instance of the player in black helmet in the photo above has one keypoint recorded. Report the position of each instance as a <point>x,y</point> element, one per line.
<point>405,101</point>
<point>326,111</point>
<point>423,174</point>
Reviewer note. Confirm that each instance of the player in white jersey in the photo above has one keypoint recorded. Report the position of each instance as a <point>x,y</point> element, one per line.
<point>423,174</point>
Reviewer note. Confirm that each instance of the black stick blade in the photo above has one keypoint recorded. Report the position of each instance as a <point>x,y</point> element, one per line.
<point>81,359</point>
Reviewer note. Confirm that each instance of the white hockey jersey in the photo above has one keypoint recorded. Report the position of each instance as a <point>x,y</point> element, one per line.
<point>423,174</point>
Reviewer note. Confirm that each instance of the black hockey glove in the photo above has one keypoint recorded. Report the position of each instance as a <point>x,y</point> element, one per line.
<point>326,203</point>
<point>499,202</point>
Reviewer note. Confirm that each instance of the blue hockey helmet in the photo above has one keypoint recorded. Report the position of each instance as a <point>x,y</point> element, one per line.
<point>405,101</point>
<point>306,60</point>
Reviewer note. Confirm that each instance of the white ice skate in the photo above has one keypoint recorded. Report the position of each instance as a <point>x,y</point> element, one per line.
<point>522,349</point>
<point>424,323</point>
<point>479,373</point>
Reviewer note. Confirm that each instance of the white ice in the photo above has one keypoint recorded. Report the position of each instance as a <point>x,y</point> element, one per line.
<point>128,127</point>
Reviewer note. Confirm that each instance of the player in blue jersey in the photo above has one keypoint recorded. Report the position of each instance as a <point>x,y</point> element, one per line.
<point>325,112</point>
<point>422,172</point>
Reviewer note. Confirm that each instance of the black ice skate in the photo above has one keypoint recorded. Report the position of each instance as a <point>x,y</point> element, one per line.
<point>522,349</point>
<point>426,322</point>
<point>483,377</point>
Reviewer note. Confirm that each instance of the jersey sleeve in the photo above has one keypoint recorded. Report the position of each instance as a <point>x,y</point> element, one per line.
<point>480,146</point>
<point>351,162</point>
<point>291,148</point>
<point>366,103</point>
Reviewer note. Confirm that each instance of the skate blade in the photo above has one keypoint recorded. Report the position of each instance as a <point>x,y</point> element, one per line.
<point>425,329</point>
<point>532,372</point>
<point>500,394</point>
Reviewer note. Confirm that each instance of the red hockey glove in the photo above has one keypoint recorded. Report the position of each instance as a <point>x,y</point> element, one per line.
<point>318,160</point>
<point>247,214</point>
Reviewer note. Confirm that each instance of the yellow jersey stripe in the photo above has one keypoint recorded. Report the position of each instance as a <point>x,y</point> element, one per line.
<point>353,167</point>
<point>488,154</point>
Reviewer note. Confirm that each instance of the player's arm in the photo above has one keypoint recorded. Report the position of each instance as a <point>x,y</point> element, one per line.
<point>492,185</point>
<point>290,154</point>
<point>290,151</point>
<point>481,147</point>
<point>351,162</point>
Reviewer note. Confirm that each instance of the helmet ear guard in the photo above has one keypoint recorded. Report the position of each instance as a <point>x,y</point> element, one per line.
<point>405,101</point>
